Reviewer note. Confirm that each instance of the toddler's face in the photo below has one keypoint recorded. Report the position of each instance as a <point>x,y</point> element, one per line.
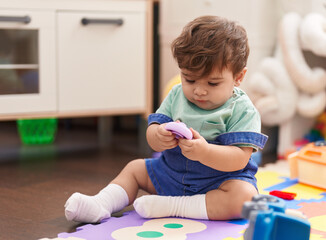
<point>212,91</point>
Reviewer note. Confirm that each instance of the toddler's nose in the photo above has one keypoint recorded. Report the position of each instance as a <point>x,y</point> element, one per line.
<point>199,91</point>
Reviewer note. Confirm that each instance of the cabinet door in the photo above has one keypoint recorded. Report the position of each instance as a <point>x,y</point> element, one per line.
<point>101,63</point>
<point>27,64</point>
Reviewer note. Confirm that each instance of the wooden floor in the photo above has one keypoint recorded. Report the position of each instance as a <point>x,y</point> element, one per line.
<point>35,181</point>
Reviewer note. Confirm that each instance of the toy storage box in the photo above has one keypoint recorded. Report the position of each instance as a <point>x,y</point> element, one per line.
<point>309,164</point>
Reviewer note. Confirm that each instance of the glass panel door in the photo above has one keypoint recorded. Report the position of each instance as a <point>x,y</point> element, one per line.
<point>19,64</point>
<point>27,62</point>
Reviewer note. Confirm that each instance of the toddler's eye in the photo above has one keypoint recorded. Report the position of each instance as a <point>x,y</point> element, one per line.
<point>212,84</point>
<point>190,81</point>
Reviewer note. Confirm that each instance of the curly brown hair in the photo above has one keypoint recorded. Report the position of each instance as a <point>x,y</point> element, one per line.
<point>210,42</point>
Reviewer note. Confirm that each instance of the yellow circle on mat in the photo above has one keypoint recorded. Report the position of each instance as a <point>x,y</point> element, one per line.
<point>318,223</point>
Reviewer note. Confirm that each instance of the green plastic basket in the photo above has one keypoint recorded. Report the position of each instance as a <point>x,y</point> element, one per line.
<point>37,131</point>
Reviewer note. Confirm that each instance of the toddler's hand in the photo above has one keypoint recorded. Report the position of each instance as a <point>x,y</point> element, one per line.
<point>166,138</point>
<point>194,149</point>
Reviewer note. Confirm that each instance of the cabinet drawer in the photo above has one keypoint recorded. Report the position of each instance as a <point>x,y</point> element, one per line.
<point>101,65</point>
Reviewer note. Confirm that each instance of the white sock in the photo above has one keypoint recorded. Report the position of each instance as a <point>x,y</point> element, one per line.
<point>154,206</point>
<point>91,209</point>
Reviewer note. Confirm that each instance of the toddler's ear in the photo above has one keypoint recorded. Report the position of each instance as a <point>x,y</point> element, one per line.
<point>240,76</point>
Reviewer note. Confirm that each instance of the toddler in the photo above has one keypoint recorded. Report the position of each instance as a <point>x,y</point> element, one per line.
<point>212,175</point>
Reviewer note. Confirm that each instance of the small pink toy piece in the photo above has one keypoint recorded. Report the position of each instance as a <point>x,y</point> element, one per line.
<point>179,129</point>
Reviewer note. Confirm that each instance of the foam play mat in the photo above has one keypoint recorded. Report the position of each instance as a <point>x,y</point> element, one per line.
<point>309,200</point>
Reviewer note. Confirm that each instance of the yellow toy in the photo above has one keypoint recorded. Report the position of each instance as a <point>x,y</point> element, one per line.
<point>174,81</point>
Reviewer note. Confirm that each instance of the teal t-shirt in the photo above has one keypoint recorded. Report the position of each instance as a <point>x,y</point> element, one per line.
<point>238,114</point>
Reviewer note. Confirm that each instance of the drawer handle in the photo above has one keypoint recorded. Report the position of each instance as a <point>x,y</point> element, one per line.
<point>24,19</point>
<point>117,21</point>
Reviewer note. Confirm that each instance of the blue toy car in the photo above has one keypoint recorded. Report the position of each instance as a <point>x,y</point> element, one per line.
<point>268,220</point>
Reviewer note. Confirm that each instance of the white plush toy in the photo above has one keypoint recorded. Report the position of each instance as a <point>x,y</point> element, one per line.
<point>274,94</point>
<point>312,34</point>
<point>310,82</point>
<point>306,79</point>
<point>285,87</point>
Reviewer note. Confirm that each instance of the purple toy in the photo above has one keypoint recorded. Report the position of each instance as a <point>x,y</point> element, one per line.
<point>179,129</point>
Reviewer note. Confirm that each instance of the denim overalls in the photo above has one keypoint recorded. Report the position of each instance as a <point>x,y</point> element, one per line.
<point>172,174</point>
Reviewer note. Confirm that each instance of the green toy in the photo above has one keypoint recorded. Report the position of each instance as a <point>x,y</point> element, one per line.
<point>37,131</point>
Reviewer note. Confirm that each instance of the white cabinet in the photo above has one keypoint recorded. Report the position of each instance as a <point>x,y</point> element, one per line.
<point>85,57</point>
<point>27,62</point>
<point>106,57</point>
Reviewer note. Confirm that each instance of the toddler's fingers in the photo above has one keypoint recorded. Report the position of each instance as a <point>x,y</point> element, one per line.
<point>185,143</point>
<point>171,144</point>
<point>163,131</point>
<point>195,134</point>
<point>166,138</point>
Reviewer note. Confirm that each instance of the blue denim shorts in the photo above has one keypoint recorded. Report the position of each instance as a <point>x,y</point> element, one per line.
<point>172,174</point>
